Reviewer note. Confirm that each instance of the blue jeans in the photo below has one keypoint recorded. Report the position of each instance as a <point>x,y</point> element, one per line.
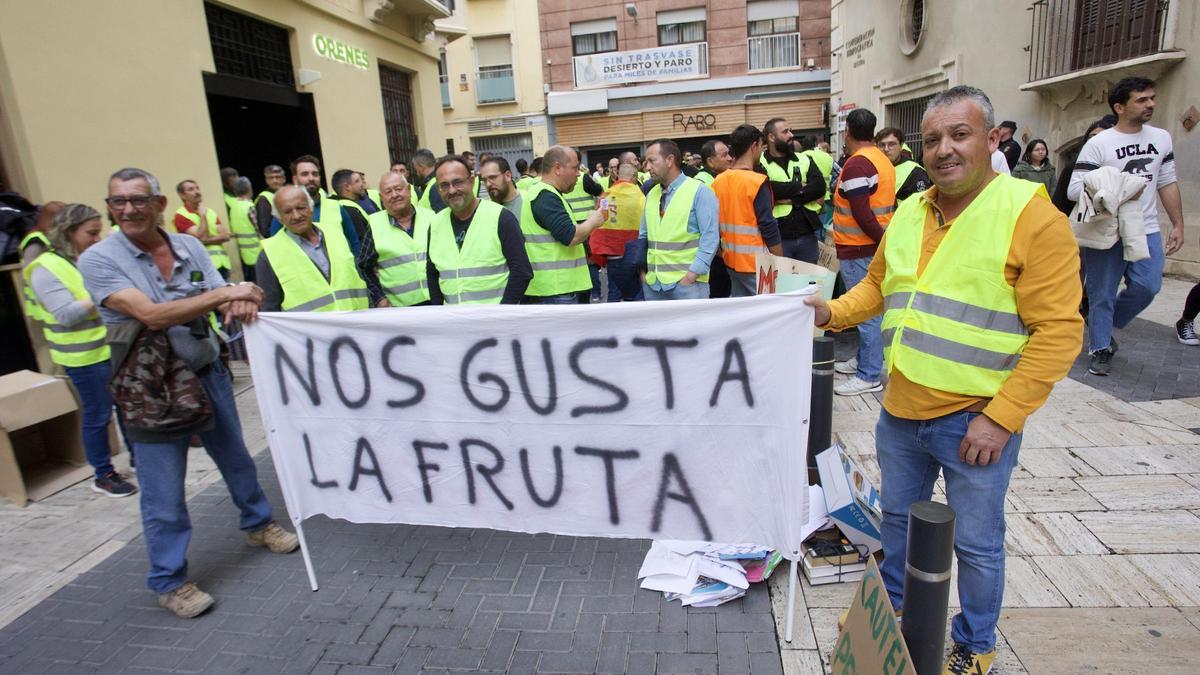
<point>594,273</point>
<point>1105,269</point>
<point>870,340</point>
<point>742,284</point>
<point>161,469</point>
<point>910,455</point>
<point>804,249</point>
<point>694,291</point>
<point>92,384</point>
<point>561,299</point>
<point>623,281</point>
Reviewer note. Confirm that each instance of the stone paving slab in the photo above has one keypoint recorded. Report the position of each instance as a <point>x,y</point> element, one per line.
<point>1150,365</point>
<point>396,597</point>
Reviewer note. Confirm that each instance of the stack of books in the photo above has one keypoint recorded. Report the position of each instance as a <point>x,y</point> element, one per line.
<point>832,561</point>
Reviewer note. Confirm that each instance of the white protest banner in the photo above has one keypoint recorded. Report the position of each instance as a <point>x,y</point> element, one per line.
<point>675,62</point>
<point>670,420</point>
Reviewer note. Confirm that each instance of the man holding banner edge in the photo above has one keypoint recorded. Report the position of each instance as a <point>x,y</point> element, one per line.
<point>969,361</point>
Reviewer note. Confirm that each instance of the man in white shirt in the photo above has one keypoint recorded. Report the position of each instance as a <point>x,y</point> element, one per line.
<point>1000,163</point>
<point>1133,147</point>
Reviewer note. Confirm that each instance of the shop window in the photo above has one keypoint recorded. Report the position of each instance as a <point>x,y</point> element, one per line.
<point>594,37</point>
<point>246,47</point>
<point>396,88</point>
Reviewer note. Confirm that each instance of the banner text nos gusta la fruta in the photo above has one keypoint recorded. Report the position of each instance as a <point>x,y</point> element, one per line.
<point>668,420</point>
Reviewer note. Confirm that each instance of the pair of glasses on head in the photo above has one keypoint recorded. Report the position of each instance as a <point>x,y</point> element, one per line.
<point>138,202</point>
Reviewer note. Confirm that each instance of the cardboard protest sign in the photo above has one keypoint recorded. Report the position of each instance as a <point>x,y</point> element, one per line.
<point>672,420</point>
<point>871,642</point>
<point>777,274</point>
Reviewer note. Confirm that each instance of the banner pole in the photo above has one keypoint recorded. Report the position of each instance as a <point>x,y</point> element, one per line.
<point>308,566</point>
<point>791,602</point>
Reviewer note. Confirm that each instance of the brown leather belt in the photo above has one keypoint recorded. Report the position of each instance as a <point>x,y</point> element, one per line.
<point>977,406</point>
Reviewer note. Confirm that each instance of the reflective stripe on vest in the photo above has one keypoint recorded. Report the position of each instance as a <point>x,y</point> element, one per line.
<point>557,269</point>
<point>796,166</point>
<point>846,231</point>
<point>670,247</point>
<point>579,203</point>
<point>304,287</point>
<point>741,240</point>
<point>955,327</point>
<point>220,258</point>
<point>402,257</point>
<point>83,344</point>
<point>244,233</point>
<point>478,272</point>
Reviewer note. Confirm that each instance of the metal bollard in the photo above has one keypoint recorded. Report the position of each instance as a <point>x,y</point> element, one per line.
<point>820,413</point>
<point>927,584</point>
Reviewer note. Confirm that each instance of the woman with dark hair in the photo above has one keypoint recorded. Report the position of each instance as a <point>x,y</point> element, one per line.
<point>1060,198</point>
<point>1035,165</point>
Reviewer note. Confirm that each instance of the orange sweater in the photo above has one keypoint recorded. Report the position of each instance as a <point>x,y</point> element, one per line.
<point>1043,268</point>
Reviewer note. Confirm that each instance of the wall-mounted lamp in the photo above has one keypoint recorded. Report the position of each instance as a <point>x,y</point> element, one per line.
<point>307,76</point>
<point>631,10</point>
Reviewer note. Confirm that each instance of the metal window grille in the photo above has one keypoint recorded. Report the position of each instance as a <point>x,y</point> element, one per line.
<point>396,87</point>
<point>1071,35</point>
<point>246,47</point>
<point>906,116</point>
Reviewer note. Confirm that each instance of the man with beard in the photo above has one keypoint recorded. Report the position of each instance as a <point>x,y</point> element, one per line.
<point>476,251</point>
<point>798,187</point>
<point>306,173</point>
<point>497,178</point>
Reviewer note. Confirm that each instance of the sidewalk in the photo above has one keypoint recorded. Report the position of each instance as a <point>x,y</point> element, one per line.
<point>1103,566</point>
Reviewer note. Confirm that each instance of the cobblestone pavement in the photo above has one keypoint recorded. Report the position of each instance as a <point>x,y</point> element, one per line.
<point>393,598</point>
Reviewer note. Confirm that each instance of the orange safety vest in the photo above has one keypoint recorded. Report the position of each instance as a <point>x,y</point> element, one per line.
<point>741,240</point>
<point>846,231</point>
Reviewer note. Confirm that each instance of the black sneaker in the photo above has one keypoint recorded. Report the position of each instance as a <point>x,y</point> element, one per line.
<point>1101,362</point>
<point>1185,332</point>
<point>113,485</point>
<point>1112,344</point>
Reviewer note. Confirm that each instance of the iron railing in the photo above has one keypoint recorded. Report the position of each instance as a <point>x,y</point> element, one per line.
<point>773,51</point>
<point>1071,35</point>
<point>444,80</point>
<point>495,85</point>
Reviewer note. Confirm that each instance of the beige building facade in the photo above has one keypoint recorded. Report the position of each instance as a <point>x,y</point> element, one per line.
<point>491,80</point>
<point>183,87</point>
<point>1046,64</point>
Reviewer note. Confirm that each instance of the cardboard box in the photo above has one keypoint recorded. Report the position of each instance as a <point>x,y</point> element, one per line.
<point>777,274</point>
<point>41,451</point>
<point>852,501</point>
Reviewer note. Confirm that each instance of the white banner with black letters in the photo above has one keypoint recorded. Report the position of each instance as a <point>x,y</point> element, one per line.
<point>668,420</point>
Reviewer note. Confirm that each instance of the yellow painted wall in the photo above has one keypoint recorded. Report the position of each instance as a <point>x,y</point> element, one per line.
<point>89,87</point>
<point>518,20</point>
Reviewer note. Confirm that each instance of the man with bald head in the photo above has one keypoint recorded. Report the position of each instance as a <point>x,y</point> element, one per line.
<point>307,266</point>
<point>394,249</point>
<point>553,239</point>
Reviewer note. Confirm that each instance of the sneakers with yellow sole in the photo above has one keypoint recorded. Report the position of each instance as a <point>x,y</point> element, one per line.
<point>187,601</point>
<point>274,538</point>
<point>963,661</point>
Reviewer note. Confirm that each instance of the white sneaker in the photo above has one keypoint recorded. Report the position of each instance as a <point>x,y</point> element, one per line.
<point>846,367</point>
<point>855,386</point>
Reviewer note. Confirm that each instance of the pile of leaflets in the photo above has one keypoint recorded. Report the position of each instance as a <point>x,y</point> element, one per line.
<point>703,574</point>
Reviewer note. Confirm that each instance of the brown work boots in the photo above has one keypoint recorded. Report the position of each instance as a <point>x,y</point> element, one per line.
<point>275,538</point>
<point>187,601</point>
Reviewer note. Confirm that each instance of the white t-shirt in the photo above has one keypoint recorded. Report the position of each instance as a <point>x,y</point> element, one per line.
<point>1000,163</point>
<point>1148,154</point>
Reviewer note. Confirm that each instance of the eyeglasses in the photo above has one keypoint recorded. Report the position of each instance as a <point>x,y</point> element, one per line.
<point>457,185</point>
<point>139,202</point>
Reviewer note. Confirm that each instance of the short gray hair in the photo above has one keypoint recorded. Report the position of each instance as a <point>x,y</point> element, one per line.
<point>64,225</point>
<point>242,186</point>
<point>131,173</point>
<point>964,92</point>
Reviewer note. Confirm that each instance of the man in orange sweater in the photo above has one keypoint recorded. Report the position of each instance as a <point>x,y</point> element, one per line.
<point>969,359</point>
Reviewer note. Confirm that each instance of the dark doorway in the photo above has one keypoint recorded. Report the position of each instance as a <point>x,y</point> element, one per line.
<point>256,124</point>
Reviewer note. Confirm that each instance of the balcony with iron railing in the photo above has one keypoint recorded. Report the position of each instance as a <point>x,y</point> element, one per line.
<point>1071,38</point>
<point>444,80</point>
<point>770,52</point>
<point>495,84</point>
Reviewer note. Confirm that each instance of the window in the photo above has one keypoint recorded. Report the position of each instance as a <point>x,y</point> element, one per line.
<point>444,79</point>
<point>912,25</point>
<point>594,37</point>
<point>682,26</point>
<point>396,87</point>
<point>773,27</point>
<point>906,116</point>
<point>246,47</point>
<point>494,71</point>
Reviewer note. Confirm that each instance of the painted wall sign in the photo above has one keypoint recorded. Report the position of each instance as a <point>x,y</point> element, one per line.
<point>640,65</point>
<point>336,50</point>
